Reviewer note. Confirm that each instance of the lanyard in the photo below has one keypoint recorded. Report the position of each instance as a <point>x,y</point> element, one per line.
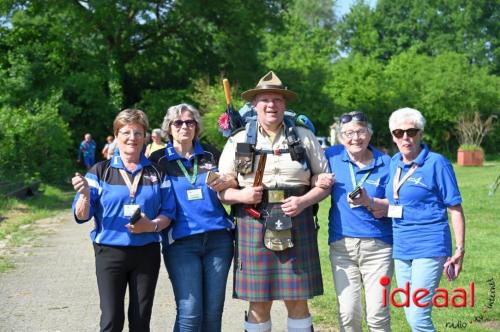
<point>191,178</point>
<point>396,185</point>
<point>132,187</point>
<point>353,177</point>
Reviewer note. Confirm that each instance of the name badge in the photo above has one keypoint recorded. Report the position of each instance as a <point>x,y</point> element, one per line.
<point>194,194</point>
<point>129,209</point>
<point>395,211</point>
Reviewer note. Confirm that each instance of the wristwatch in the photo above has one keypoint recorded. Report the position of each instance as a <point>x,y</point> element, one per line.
<point>460,248</point>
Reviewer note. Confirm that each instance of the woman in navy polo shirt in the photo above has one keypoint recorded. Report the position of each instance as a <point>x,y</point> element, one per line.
<point>360,241</point>
<point>198,247</point>
<point>421,190</point>
<point>126,255</point>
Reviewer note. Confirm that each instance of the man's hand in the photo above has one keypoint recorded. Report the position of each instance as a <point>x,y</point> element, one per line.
<point>251,195</point>
<point>293,206</point>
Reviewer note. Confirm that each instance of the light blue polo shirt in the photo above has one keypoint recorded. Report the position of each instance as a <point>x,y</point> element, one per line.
<point>357,222</point>
<point>423,231</point>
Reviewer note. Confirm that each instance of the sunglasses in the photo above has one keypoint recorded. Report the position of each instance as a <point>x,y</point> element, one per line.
<point>411,132</point>
<point>179,123</point>
<point>360,117</point>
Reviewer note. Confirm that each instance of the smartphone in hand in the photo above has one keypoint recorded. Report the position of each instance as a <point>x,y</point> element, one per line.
<point>450,272</point>
<point>135,217</point>
<point>211,177</point>
<point>355,193</point>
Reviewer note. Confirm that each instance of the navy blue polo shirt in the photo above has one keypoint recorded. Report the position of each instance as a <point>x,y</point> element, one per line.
<point>423,231</point>
<point>198,215</point>
<point>109,194</point>
<point>357,222</point>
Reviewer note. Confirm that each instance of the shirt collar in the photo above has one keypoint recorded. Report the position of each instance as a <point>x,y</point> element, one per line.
<point>419,160</point>
<point>117,162</point>
<point>173,155</point>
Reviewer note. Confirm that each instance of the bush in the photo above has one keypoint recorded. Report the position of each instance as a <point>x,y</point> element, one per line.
<point>35,143</point>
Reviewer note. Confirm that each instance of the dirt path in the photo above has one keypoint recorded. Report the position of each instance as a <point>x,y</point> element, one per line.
<point>53,286</point>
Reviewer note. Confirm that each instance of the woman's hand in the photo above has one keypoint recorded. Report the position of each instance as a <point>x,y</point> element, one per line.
<point>323,180</point>
<point>456,260</point>
<point>363,199</point>
<point>80,185</point>
<point>223,182</point>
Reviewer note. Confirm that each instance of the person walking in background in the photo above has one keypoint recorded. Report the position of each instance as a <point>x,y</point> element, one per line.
<point>156,143</point>
<point>277,252</point>
<point>422,189</point>
<point>198,246</point>
<point>126,253</point>
<point>87,151</point>
<point>104,152</point>
<point>360,243</point>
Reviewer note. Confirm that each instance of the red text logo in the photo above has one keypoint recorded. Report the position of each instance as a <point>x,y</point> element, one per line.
<point>440,299</point>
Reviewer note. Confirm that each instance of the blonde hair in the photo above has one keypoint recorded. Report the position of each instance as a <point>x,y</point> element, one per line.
<point>129,116</point>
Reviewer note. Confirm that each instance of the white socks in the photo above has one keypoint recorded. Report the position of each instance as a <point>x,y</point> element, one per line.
<point>300,325</point>
<point>258,327</point>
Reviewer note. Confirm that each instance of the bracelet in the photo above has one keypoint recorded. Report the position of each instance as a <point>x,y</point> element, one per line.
<point>460,248</point>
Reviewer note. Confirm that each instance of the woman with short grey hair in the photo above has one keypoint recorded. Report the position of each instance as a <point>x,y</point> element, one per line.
<point>360,240</point>
<point>421,191</point>
<point>174,112</point>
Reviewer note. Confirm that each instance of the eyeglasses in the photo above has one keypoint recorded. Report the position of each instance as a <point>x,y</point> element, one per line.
<point>411,132</point>
<point>360,117</point>
<point>189,123</point>
<point>127,134</point>
<point>360,133</point>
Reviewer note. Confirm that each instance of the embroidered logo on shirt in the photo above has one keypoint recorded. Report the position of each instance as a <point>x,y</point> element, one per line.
<point>376,182</point>
<point>417,181</point>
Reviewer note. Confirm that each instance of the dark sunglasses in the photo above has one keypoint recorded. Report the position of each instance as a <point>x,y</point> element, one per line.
<point>179,123</point>
<point>411,132</point>
<point>360,117</point>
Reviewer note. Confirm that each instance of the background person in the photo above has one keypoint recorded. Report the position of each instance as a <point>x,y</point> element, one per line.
<point>198,247</point>
<point>156,143</point>
<point>360,244</point>
<point>87,151</point>
<point>104,152</point>
<point>421,190</point>
<point>126,255</point>
<point>262,275</point>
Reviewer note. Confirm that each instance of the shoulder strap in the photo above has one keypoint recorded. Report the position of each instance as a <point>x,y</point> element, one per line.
<point>251,130</point>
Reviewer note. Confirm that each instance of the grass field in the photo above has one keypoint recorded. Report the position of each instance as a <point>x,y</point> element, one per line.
<point>481,265</point>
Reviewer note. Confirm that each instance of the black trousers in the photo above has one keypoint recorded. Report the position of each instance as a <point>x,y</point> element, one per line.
<point>116,267</point>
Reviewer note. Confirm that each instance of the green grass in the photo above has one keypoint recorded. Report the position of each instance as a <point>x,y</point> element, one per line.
<point>482,259</point>
<point>16,216</point>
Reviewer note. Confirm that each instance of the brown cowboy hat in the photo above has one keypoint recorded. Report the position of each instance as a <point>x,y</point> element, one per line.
<point>269,83</point>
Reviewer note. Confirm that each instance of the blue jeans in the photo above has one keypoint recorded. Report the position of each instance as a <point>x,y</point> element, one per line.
<point>198,267</point>
<point>420,273</point>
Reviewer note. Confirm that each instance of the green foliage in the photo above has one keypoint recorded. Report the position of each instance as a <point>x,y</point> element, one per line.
<point>35,142</point>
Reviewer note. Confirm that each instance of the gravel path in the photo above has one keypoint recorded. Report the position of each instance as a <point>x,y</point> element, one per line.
<point>53,287</point>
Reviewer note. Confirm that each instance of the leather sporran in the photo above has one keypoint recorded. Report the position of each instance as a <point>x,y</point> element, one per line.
<point>278,231</point>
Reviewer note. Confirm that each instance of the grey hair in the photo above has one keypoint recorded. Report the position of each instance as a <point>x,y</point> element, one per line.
<point>157,132</point>
<point>406,114</point>
<point>174,112</point>
<point>365,124</point>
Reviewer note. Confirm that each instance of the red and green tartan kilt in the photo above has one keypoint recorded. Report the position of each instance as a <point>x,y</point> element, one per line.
<point>264,275</point>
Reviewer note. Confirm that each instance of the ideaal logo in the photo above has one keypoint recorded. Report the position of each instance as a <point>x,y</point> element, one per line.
<point>441,298</point>
<point>478,318</point>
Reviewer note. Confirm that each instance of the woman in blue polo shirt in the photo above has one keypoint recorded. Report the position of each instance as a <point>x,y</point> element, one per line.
<point>126,255</point>
<point>360,242</point>
<point>198,247</point>
<point>421,190</point>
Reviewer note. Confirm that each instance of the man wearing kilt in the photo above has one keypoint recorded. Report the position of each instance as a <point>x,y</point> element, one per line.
<point>274,261</point>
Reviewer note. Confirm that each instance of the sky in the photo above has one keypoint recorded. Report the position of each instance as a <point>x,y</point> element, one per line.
<point>342,6</point>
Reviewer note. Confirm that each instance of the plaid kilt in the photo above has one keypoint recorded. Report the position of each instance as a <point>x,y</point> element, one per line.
<point>264,275</point>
